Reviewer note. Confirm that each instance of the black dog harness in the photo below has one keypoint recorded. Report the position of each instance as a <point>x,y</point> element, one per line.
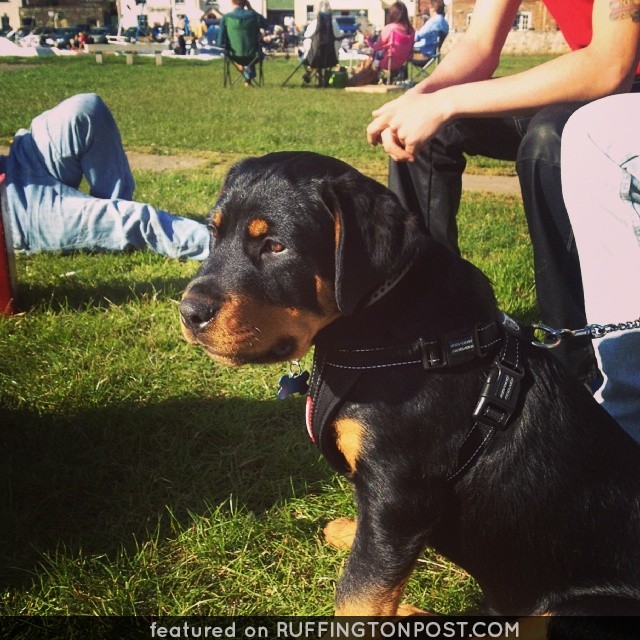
<point>335,372</point>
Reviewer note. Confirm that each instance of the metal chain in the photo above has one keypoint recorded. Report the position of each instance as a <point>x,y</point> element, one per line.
<point>553,337</point>
<point>598,330</point>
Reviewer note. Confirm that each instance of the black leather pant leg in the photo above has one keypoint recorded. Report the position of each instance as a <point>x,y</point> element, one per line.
<point>432,185</point>
<point>556,264</point>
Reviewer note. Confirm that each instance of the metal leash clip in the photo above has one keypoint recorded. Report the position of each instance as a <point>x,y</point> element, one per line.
<point>553,337</point>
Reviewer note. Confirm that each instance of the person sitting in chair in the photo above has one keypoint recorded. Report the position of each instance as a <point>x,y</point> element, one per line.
<point>391,49</point>
<point>321,43</point>
<point>250,22</point>
<point>434,30</point>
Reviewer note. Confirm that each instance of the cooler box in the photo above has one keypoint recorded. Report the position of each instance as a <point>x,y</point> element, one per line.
<point>7,263</point>
<point>338,79</point>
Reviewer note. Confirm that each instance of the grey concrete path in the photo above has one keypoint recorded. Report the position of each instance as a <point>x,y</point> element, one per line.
<point>496,184</point>
<point>152,162</point>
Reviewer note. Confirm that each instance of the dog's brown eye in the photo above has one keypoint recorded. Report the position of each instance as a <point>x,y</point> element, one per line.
<point>213,230</point>
<point>273,246</point>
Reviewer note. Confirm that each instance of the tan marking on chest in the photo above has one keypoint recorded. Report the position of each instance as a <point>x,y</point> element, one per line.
<point>349,440</point>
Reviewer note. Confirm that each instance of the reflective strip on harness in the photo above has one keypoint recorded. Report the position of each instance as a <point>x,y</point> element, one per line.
<point>335,373</point>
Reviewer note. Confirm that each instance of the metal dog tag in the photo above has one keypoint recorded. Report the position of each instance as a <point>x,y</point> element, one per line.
<point>293,383</point>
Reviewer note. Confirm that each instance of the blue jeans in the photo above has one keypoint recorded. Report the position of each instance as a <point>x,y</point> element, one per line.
<point>601,189</point>
<point>77,138</point>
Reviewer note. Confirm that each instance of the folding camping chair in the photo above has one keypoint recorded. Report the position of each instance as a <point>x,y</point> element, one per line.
<point>398,53</point>
<point>241,44</point>
<point>421,67</point>
<point>322,56</point>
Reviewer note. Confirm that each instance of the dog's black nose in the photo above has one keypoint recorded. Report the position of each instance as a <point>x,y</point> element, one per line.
<point>197,313</point>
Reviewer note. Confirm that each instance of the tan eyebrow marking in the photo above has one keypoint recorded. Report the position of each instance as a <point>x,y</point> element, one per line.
<point>217,218</point>
<point>258,227</point>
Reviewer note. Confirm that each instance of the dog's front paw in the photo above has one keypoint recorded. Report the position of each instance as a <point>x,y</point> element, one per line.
<point>405,609</point>
<point>339,533</point>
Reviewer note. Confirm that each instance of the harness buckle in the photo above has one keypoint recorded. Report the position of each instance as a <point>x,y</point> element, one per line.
<point>431,354</point>
<point>499,396</point>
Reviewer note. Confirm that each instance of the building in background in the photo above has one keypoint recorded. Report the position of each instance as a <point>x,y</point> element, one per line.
<point>126,13</point>
<point>366,12</point>
<point>165,13</point>
<point>62,13</point>
<point>10,14</point>
<point>532,15</point>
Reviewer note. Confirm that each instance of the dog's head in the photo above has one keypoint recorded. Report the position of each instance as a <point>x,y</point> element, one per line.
<point>297,240</point>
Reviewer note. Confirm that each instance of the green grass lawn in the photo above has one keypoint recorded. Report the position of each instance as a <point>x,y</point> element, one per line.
<point>137,476</point>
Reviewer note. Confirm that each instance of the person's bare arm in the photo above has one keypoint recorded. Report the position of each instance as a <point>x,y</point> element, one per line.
<point>604,67</point>
<point>477,54</point>
<point>475,57</point>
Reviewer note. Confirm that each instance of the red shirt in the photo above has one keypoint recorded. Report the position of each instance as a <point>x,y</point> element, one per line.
<point>574,20</point>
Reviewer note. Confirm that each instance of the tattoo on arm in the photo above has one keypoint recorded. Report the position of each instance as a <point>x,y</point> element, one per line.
<point>625,10</point>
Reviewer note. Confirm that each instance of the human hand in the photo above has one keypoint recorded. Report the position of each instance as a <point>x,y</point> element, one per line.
<point>406,125</point>
<point>381,117</point>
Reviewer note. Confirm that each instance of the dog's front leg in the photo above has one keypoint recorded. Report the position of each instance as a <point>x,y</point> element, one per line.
<point>383,555</point>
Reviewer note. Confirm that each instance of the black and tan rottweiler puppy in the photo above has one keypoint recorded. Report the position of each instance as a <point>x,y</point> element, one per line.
<point>456,432</point>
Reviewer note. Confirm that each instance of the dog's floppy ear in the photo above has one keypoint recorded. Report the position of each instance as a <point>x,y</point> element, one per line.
<point>376,238</point>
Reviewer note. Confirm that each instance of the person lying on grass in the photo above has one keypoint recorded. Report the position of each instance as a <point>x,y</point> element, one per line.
<point>46,211</point>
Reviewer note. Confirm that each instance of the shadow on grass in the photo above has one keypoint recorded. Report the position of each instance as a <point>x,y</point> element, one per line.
<point>77,296</point>
<point>101,479</point>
